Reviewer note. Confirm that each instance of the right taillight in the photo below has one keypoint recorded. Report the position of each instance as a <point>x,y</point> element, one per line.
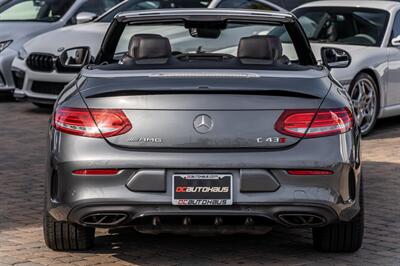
<point>314,123</point>
<point>94,123</point>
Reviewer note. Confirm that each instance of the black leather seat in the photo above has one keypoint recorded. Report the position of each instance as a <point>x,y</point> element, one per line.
<point>147,49</point>
<point>261,50</point>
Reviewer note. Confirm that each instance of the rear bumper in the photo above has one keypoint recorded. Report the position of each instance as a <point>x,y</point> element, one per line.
<point>268,215</point>
<point>334,197</point>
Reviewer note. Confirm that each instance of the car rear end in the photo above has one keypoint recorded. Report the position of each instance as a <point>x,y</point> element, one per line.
<point>184,140</point>
<point>158,159</point>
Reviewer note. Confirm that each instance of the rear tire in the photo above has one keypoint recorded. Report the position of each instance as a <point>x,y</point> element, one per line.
<point>63,236</point>
<point>342,236</point>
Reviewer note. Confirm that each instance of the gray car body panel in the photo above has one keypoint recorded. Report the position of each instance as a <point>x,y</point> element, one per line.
<point>72,197</point>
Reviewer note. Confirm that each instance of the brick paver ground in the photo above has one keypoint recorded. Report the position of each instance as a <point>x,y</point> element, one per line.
<point>22,142</point>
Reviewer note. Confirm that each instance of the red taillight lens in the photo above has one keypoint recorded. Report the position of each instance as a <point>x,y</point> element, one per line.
<point>313,124</point>
<point>310,172</point>
<point>95,123</point>
<point>96,172</point>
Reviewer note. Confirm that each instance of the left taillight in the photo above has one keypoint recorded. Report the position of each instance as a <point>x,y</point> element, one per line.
<point>315,123</point>
<point>94,123</point>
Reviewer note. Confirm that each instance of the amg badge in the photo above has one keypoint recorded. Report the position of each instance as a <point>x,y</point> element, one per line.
<point>146,140</point>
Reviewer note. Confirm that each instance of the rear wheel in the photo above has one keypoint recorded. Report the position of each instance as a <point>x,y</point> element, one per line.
<point>63,236</point>
<point>365,97</point>
<point>342,236</point>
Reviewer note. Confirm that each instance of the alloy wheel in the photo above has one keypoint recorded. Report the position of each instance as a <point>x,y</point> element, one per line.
<point>364,99</point>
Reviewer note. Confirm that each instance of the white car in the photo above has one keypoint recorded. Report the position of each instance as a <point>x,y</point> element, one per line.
<point>370,32</point>
<point>22,20</point>
<point>39,75</point>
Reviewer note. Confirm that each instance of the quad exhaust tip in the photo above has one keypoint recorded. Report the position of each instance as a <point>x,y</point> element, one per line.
<point>302,220</point>
<point>104,219</point>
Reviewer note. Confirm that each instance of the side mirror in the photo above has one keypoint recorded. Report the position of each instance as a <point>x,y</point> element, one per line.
<point>396,41</point>
<point>76,57</point>
<point>335,57</point>
<point>84,17</point>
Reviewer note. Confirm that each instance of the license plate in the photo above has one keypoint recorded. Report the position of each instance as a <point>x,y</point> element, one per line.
<point>202,189</point>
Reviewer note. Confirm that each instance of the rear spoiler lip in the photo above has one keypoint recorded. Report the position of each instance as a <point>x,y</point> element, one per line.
<point>138,92</point>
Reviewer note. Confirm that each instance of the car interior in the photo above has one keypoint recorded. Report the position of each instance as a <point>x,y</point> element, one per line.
<point>54,8</point>
<point>149,51</point>
<point>346,27</point>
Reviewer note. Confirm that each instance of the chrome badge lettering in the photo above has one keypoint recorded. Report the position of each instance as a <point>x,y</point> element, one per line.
<point>146,140</point>
<point>271,140</point>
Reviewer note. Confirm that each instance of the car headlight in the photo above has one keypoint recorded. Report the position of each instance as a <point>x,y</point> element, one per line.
<point>22,54</point>
<point>4,45</point>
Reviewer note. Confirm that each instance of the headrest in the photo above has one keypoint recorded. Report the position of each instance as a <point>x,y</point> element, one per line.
<point>149,46</point>
<point>260,47</point>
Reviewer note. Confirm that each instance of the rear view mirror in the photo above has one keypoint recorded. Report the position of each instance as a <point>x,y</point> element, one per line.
<point>76,57</point>
<point>84,17</point>
<point>335,57</point>
<point>396,41</point>
<point>207,33</point>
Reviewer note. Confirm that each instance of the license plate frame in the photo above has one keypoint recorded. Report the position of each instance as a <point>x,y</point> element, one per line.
<point>202,189</point>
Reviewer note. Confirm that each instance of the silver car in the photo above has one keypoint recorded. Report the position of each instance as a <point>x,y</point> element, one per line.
<point>22,20</point>
<point>168,138</point>
<point>370,32</point>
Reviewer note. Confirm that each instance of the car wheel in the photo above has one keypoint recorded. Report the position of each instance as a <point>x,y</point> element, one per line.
<point>342,236</point>
<point>365,97</point>
<point>63,236</point>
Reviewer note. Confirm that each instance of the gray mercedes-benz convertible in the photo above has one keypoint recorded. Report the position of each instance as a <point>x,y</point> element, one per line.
<point>166,134</point>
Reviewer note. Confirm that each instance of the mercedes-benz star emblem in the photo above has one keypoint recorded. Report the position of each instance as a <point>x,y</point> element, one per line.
<point>203,124</point>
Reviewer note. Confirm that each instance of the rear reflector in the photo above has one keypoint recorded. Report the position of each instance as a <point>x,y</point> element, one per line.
<point>313,123</point>
<point>95,123</point>
<point>310,172</point>
<point>96,172</point>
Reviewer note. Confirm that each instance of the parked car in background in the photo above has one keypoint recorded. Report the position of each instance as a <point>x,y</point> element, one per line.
<point>40,78</point>
<point>177,139</point>
<point>370,32</point>
<point>21,20</point>
<point>259,4</point>
<point>290,4</point>
<point>247,4</point>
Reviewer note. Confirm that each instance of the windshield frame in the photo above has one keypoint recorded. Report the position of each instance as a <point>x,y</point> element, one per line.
<point>302,10</point>
<point>117,27</point>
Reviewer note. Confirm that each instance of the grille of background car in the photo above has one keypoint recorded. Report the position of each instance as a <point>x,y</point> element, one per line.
<point>53,88</point>
<point>40,62</point>
<point>47,63</point>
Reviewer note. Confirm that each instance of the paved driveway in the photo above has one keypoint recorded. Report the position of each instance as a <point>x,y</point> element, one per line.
<point>22,144</point>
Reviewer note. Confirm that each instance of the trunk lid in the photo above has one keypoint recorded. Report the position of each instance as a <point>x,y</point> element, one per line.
<point>204,110</point>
